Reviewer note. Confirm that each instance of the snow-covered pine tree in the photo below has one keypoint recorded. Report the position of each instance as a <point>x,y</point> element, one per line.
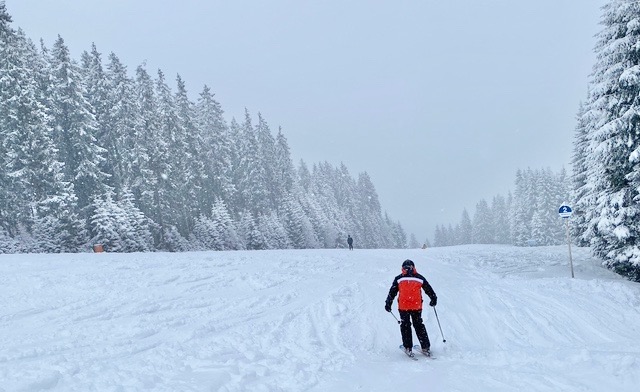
<point>544,220</point>
<point>75,130</point>
<point>322,189</point>
<point>456,234</point>
<point>136,227</point>
<point>482,224</point>
<point>152,160</point>
<point>11,75</point>
<point>322,227</point>
<point>119,225</point>
<point>450,235</point>
<point>34,169</point>
<point>509,211</point>
<point>297,224</point>
<point>98,93</point>
<point>581,189</point>
<point>195,196</point>
<point>250,172</point>
<point>244,227</point>
<point>126,151</point>
<point>174,160</point>
<point>413,242</point>
<point>218,147</point>
<point>236,203</point>
<point>274,232</point>
<point>399,236</point>
<point>438,236</point>
<point>303,176</point>
<point>267,156</point>
<point>40,204</point>
<point>500,217</point>
<point>612,125</point>
<point>173,241</point>
<point>466,229</point>
<point>204,234</point>
<point>344,191</point>
<point>369,211</point>
<point>106,221</point>
<point>522,211</point>
<point>284,173</point>
<point>255,240</point>
<point>227,237</point>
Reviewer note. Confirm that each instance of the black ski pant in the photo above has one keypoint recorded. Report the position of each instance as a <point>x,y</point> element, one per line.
<point>406,316</point>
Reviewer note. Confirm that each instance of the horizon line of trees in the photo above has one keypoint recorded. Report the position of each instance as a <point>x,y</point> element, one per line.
<point>90,154</point>
<point>605,191</point>
<point>528,217</point>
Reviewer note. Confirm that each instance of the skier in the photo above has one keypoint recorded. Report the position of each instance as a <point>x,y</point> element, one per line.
<point>350,241</point>
<point>408,285</point>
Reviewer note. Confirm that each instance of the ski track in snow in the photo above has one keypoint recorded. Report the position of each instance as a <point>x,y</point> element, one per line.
<point>314,320</point>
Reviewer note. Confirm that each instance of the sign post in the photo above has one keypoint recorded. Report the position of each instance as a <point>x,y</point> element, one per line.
<point>565,213</point>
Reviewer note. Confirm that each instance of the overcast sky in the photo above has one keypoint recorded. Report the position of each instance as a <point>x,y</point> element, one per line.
<point>439,101</point>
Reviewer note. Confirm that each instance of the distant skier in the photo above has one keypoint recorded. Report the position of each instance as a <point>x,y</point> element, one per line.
<point>350,242</point>
<point>409,285</point>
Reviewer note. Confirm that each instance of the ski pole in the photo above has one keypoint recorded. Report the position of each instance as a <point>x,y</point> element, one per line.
<point>394,316</point>
<point>441,334</point>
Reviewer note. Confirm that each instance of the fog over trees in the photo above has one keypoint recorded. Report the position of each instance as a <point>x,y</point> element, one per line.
<point>92,153</point>
<point>605,185</point>
<point>607,147</point>
<point>526,217</point>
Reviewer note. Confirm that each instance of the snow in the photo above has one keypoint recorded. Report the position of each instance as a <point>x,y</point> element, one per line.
<point>314,320</point>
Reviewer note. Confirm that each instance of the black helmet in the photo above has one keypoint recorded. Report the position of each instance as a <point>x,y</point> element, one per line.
<point>408,265</point>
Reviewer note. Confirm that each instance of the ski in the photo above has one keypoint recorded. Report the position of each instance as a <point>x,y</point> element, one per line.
<point>413,355</point>
<point>430,355</point>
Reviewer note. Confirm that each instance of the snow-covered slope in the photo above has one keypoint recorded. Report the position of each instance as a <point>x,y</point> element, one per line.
<point>314,320</point>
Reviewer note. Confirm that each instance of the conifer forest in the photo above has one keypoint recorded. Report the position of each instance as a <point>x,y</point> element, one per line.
<point>604,187</point>
<point>92,153</point>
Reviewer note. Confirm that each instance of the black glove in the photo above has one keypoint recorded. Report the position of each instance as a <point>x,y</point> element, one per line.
<point>387,307</point>
<point>434,301</point>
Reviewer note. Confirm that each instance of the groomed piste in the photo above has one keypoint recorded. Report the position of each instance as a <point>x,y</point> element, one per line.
<point>314,320</point>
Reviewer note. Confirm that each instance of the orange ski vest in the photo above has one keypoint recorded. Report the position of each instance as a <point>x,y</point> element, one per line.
<point>409,288</point>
